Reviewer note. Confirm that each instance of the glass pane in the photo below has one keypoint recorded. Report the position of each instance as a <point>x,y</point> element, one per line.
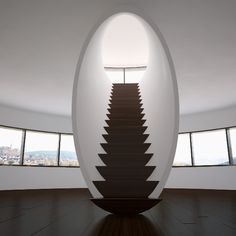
<point>67,152</point>
<point>183,151</point>
<point>134,75</point>
<point>115,75</point>
<point>210,148</point>
<point>41,148</point>
<point>10,146</point>
<point>232,133</point>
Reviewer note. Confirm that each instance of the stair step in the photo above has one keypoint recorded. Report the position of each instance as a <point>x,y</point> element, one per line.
<point>125,122</point>
<point>122,88</point>
<point>126,130</point>
<point>125,189</point>
<point>123,101</point>
<point>125,148</point>
<point>118,97</point>
<point>125,116</point>
<point>114,173</point>
<point>124,159</point>
<point>126,92</point>
<point>126,105</point>
<point>134,138</point>
<point>125,87</point>
<point>119,85</point>
<point>125,109</point>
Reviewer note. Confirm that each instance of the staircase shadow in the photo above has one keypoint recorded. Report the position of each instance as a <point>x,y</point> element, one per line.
<point>137,225</point>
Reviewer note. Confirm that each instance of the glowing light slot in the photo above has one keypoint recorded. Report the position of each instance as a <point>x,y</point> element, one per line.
<point>125,49</point>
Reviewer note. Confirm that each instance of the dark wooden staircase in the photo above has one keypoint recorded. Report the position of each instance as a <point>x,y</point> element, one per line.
<point>125,188</point>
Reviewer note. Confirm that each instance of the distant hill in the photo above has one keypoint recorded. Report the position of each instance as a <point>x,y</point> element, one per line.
<point>51,154</point>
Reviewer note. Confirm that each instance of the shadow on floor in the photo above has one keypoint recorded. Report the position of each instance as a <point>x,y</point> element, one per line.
<point>137,225</point>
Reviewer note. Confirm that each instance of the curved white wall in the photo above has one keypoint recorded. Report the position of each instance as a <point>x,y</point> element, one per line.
<point>160,102</point>
<point>220,118</point>
<point>222,177</point>
<point>26,177</point>
<point>25,119</point>
<point>90,102</point>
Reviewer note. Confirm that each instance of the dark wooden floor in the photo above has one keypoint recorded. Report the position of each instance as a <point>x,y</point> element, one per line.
<point>70,212</point>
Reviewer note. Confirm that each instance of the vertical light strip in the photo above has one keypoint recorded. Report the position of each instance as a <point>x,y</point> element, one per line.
<point>58,151</point>
<point>22,147</point>
<point>229,147</point>
<point>191,148</point>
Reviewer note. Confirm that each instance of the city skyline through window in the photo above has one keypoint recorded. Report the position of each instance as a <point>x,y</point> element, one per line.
<point>67,151</point>
<point>41,148</point>
<point>10,146</point>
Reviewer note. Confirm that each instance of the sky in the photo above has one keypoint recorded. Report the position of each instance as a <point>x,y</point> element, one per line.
<point>35,141</point>
<point>10,137</point>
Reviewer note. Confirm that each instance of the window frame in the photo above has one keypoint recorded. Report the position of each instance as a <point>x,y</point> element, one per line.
<point>191,154</point>
<point>227,133</point>
<point>229,148</point>
<point>59,151</point>
<point>23,148</point>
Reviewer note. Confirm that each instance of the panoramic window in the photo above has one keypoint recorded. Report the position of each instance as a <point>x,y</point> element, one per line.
<point>232,133</point>
<point>41,148</point>
<point>67,151</point>
<point>125,49</point>
<point>210,148</point>
<point>183,151</point>
<point>10,146</point>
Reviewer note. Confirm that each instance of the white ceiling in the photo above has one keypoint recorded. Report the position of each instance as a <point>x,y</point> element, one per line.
<point>40,42</point>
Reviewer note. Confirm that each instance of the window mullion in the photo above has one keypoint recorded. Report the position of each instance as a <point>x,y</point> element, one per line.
<point>22,153</point>
<point>229,146</point>
<point>191,148</point>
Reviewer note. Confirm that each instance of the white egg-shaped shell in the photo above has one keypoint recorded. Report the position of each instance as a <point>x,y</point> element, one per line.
<point>159,94</point>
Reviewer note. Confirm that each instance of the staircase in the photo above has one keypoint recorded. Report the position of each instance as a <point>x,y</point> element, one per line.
<point>125,172</point>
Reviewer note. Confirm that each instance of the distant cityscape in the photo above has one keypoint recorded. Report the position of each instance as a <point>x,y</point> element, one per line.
<point>11,156</point>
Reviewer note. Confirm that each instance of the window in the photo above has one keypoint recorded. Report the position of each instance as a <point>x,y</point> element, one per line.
<point>134,75</point>
<point>210,148</point>
<point>232,133</point>
<point>41,148</point>
<point>67,151</point>
<point>38,148</point>
<point>183,151</point>
<point>125,74</point>
<point>10,146</point>
<point>116,75</point>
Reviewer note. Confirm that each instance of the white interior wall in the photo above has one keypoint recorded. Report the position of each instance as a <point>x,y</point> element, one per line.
<point>25,177</point>
<point>25,119</point>
<point>19,177</point>
<point>220,118</point>
<point>51,177</point>
<point>159,96</point>
<point>91,94</point>
<point>205,177</point>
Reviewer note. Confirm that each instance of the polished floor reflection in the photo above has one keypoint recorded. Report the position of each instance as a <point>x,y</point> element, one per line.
<point>138,225</point>
<point>70,212</point>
